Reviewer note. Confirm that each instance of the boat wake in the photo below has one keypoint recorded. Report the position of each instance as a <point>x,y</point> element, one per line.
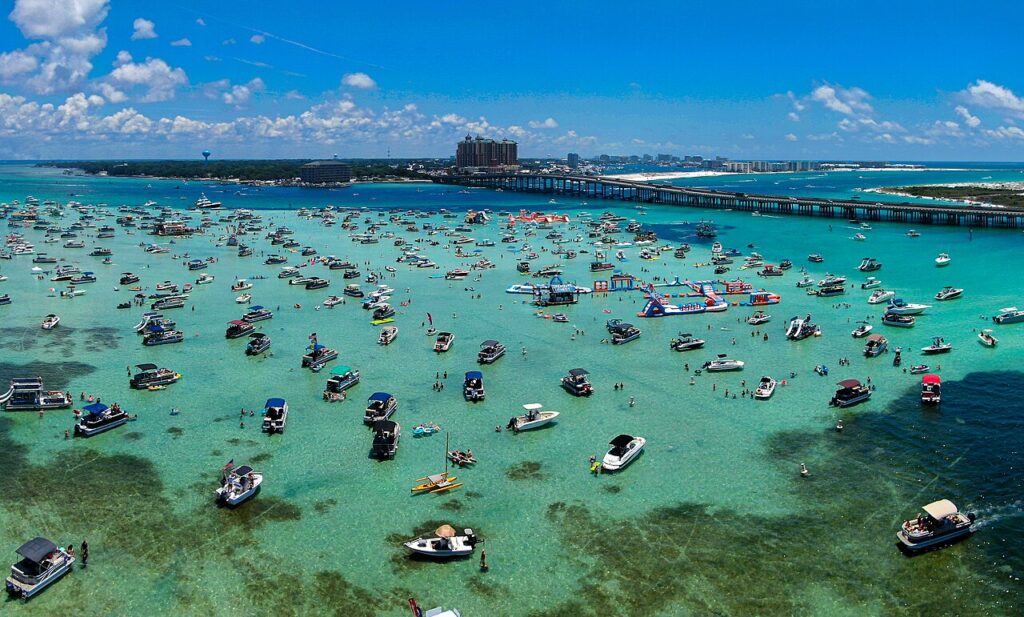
<point>990,515</point>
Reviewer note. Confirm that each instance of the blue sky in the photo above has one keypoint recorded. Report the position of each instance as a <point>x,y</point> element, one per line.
<point>869,80</point>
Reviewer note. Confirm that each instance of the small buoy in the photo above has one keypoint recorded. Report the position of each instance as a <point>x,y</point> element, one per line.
<point>839,425</point>
<point>804,472</point>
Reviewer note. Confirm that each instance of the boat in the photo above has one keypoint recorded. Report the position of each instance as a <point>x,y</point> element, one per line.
<point>900,321</point>
<point>577,382</point>
<point>859,237</point>
<point>799,329</point>
<point>535,417</point>
<point>317,283</point>
<point>159,335</point>
<point>876,346</point>
<point>203,203</point>
<point>127,278</point>
<point>170,302</point>
<point>862,329</point>
<point>917,369</point>
<point>871,283</point>
<point>383,311</point>
<point>333,301</point>
<point>387,335</point>
<point>931,389</point>
<point>257,313</point>
<point>941,523</point>
<point>197,264</point>
<point>41,564</point>
<point>446,544</point>
<point>241,285</point>
<point>758,318</point>
<point>765,388</point>
<point>949,293</point>
<point>869,265</point>
<point>831,280</point>
<point>829,291</point>
<point>898,307</point>
<point>352,290</point>
<point>986,338</point>
<point>473,386</point>
<point>1009,315</point>
<point>244,298</point>
<point>342,378</point>
<point>238,328</point>
<point>723,363</point>
<point>490,351</point>
<point>50,321</point>
<point>938,346</point>
<point>239,484</point>
<point>444,341</point>
<point>27,394</point>
<point>815,258</point>
<point>275,415</point>
<point>99,418</point>
<point>385,439</point>
<point>685,342</point>
<point>942,260</point>
<point>150,375</point>
<point>380,406</point>
<point>318,356</point>
<point>879,296</point>
<point>806,281</point>
<point>913,233</point>
<point>258,343</point>
<point>624,450</point>
<point>622,332</point>
<point>204,279</point>
<point>5,298</point>
<point>850,393</point>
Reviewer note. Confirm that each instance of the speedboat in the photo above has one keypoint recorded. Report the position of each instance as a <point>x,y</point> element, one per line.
<point>490,351</point>
<point>900,321</point>
<point>859,237</point>
<point>938,346</point>
<point>898,307</point>
<point>765,388</point>
<point>342,378</point>
<point>871,283</point>
<point>241,285</point>
<point>850,393</point>
<point>333,301</point>
<point>238,485</point>
<point>444,341</point>
<point>258,343</point>
<point>869,265</point>
<point>931,389</point>
<point>577,382</point>
<point>986,338</point>
<point>949,293</point>
<point>686,342</point>
<point>150,375</point>
<point>238,328</point>
<point>275,415</point>
<point>913,233</point>
<point>806,281</point>
<point>622,332</point>
<point>942,260</point>
<point>385,439</point>
<point>50,321</point>
<point>387,335</point>
<point>758,318</point>
<point>41,563</point>
<point>534,417</point>
<point>1009,315</point>
<point>862,329</point>
<point>624,450</point>
<point>380,407</point>
<point>831,280</point>
<point>876,346</point>
<point>723,363</point>
<point>473,386</point>
<point>204,279</point>
<point>879,296</point>
<point>917,369</point>
<point>99,418</point>
<point>941,522</point>
<point>445,545</point>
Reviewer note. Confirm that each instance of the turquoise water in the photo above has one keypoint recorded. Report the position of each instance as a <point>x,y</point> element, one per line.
<point>713,517</point>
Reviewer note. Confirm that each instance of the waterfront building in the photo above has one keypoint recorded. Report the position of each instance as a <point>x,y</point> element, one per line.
<point>480,153</point>
<point>573,160</point>
<point>326,172</point>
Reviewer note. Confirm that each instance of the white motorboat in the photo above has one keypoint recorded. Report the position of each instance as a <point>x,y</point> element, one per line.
<point>941,522</point>
<point>765,388</point>
<point>942,260</point>
<point>204,279</point>
<point>444,342</point>
<point>99,418</point>
<point>686,342</point>
<point>445,544</point>
<point>806,281</point>
<point>831,280</point>
<point>50,321</point>
<point>898,307</point>
<point>862,329</point>
<point>723,363</point>
<point>758,318</point>
<point>238,485</point>
<point>876,346</point>
<point>42,563</point>
<point>533,418</point>
<point>624,450</point>
<point>387,335</point>
<point>879,296</point>
<point>986,338</point>
<point>938,346</point>
<point>333,301</point>
<point>241,285</point>
<point>244,298</point>
<point>871,283</point>
<point>1009,315</point>
<point>949,293</point>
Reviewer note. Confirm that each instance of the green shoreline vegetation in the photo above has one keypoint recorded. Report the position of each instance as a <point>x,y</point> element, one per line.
<point>977,193</point>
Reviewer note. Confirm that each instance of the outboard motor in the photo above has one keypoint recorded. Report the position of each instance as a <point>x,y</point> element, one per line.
<point>470,537</point>
<point>511,423</point>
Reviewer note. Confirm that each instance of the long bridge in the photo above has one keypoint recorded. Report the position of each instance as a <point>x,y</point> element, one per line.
<point>598,187</point>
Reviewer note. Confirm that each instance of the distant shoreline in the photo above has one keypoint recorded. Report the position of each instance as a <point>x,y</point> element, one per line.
<point>985,194</point>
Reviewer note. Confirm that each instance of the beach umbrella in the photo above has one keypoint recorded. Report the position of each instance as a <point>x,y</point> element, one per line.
<point>445,531</point>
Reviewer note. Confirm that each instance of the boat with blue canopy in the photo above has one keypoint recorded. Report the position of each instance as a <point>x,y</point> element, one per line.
<point>473,388</point>
<point>380,406</point>
<point>99,418</point>
<point>275,415</point>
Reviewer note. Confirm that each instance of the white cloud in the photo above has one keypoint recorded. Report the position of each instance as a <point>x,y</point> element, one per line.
<point>51,19</point>
<point>1005,132</point>
<point>359,80</point>
<point>15,63</point>
<point>945,128</point>
<point>795,117</point>
<point>240,94</point>
<point>294,95</point>
<point>228,42</point>
<point>969,120</point>
<point>791,137</point>
<point>987,94</point>
<point>848,101</point>
<point>921,141</point>
<point>212,58</point>
<point>159,80</point>
<point>257,39</point>
<point>200,21</point>
<point>548,123</point>
<point>181,43</point>
<point>112,94</point>
<point>825,137</point>
<point>797,103</point>
<point>144,29</point>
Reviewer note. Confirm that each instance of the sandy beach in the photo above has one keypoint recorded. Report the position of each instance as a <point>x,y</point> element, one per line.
<point>668,175</point>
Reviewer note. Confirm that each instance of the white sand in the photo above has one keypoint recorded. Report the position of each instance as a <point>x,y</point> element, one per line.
<point>666,175</point>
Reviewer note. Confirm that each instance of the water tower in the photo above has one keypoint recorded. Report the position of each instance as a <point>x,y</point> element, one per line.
<point>206,155</point>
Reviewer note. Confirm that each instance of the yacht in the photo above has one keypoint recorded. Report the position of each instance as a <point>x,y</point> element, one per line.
<point>765,388</point>
<point>876,346</point>
<point>900,321</point>
<point>342,378</point>
<point>577,382</point>
<point>238,328</point>
<point>758,318</point>
<point>490,351</point>
<point>931,389</point>
<point>473,386</point>
<point>941,522</point>
<point>149,375</point>
<point>275,415</point>
<point>871,283</point>
<point>204,279</point>
<point>333,301</point>
<point>445,545</point>
<point>869,265</point>
<point>535,417</point>
<point>444,341</point>
<point>381,406</point>
<point>799,329</point>
<point>203,203</point>
<point>258,343</point>
<point>128,278</point>
<point>938,346</point>
<point>41,563</point>
<point>385,439</point>
<point>898,307</point>
<point>831,280</point>
<point>624,450</point>
<point>238,485</point>
<point>862,329</point>
<point>257,313</point>
<point>50,322</point>
<point>387,335</point>
<point>879,296</point>
<point>949,293</point>
<point>1009,315</point>
<point>850,393</point>
<point>942,260</point>
<point>723,363</point>
<point>98,418</point>
<point>685,342</point>
<point>622,332</point>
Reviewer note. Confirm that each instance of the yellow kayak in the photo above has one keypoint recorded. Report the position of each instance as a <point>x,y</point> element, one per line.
<point>449,487</point>
<point>429,486</point>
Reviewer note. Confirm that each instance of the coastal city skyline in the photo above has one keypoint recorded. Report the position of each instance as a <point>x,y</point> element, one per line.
<point>102,79</point>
